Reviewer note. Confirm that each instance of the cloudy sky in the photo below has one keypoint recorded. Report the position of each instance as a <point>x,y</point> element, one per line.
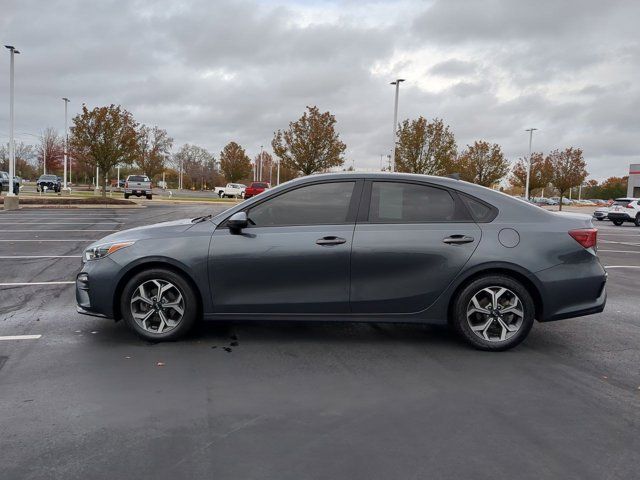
<point>214,71</point>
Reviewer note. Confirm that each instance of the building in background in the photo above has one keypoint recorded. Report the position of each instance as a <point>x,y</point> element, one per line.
<point>633,188</point>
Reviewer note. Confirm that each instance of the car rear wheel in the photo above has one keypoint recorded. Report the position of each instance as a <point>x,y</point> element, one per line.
<point>159,305</point>
<point>126,195</point>
<point>617,223</point>
<point>149,197</point>
<point>493,313</point>
<point>637,220</point>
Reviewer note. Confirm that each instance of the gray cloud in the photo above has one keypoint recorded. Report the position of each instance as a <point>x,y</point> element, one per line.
<point>211,72</point>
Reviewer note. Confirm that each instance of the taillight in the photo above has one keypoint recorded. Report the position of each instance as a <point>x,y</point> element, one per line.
<point>126,184</point>
<point>628,205</point>
<point>150,185</point>
<point>587,237</point>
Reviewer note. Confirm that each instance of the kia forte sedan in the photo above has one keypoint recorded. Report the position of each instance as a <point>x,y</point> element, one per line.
<point>353,247</point>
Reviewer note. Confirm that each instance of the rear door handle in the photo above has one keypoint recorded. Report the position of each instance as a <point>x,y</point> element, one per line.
<point>458,239</point>
<point>331,240</point>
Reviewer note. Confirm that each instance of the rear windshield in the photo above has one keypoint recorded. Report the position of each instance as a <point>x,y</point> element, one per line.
<point>624,203</point>
<point>137,178</point>
<point>259,185</point>
<point>48,177</point>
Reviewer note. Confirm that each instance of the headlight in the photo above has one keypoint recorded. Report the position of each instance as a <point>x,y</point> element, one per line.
<point>100,251</point>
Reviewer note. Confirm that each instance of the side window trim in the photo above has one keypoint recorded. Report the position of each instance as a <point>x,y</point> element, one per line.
<point>460,209</point>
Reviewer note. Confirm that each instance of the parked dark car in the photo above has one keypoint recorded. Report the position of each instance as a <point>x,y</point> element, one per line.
<point>52,182</point>
<point>256,188</point>
<point>4,183</point>
<point>353,247</point>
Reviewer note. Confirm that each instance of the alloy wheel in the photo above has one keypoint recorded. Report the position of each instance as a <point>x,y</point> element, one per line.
<point>157,306</point>
<point>495,314</point>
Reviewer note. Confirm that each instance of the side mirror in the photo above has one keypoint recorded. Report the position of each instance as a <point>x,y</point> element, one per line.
<point>238,221</point>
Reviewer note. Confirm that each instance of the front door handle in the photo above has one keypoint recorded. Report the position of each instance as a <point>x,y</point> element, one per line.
<point>458,239</point>
<point>331,240</point>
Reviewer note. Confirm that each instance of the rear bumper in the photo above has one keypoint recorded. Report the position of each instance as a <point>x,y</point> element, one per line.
<point>573,290</point>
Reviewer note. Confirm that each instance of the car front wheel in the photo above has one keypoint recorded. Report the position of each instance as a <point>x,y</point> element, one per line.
<point>159,305</point>
<point>493,313</point>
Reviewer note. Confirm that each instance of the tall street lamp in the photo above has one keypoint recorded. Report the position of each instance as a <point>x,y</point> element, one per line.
<point>12,151</point>
<point>395,123</point>
<point>66,141</point>
<point>526,188</point>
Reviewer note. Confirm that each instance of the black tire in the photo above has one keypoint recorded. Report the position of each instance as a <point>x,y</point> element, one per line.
<point>617,223</point>
<point>126,196</point>
<point>149,197</point>
<point>636,222</point>
<point>464,298</point>
<point>599,219</point>
<point>16,190</point>
<point>190,304</point>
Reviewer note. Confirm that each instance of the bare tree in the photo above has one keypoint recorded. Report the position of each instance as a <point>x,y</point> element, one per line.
<point>194,161</point>
<point>153,150</point>
<point>51,149</point>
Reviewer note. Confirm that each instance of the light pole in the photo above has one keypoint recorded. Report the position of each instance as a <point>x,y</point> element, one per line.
<point>66,142</point>
<point>395,123</point>
<point>12,150</point>
<point>278,173</point>
<point>526,188</point>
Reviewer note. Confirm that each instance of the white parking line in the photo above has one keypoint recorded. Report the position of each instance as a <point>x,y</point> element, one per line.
<point>621,243</point>
<point>621,266</point>
<point>60,230</point>
<point>61,223</point>
<point>49,240</point>
<point>22,284</point>
<point>618,251</point>
<point>25,257</point>
<point>620,234</point>
<point>21,337</point>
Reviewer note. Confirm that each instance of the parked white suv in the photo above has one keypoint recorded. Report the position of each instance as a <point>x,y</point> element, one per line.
<point>625,210</point>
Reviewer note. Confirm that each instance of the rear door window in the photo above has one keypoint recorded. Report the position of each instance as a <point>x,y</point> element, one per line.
<point>396,202</point>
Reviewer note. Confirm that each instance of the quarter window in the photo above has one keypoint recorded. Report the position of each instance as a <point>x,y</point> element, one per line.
<point>319,204</point>
<point>393,202</point>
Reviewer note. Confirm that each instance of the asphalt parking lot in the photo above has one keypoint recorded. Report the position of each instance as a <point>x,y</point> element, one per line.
<point>82,397</point>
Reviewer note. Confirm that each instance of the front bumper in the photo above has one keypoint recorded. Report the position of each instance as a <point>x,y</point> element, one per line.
<point>95,287</point>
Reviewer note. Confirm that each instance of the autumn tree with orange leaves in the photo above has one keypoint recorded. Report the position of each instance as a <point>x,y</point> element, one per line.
<point>310,144</point>
<point>482,163</point>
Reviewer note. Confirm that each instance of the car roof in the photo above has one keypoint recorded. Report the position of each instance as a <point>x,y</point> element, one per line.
<point>626,199</point>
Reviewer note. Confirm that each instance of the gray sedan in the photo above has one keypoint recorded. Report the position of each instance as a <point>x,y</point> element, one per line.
<point>353,247</point>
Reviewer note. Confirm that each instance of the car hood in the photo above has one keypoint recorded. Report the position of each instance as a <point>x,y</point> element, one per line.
<point>155,230</point>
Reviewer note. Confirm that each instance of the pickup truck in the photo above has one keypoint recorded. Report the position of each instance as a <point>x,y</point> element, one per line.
<point>232,190</point>
<point>256,188</point>
<point>52,182</point>
<point>138,185</point>
<point>4,179</point>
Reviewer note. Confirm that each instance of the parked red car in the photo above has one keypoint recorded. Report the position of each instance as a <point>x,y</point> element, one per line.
<point>255,188</point>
